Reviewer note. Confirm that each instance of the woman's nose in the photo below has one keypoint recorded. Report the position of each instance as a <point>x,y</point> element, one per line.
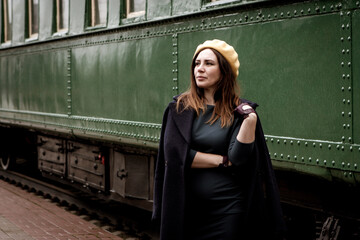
<point>200,68</point>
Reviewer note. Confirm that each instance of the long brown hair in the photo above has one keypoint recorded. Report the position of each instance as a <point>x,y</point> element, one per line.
<point>226,94</point>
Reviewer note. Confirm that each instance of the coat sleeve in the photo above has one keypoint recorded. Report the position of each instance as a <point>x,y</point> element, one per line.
<point>265,211</point>
<point>271,188</point>
<point>159,172</point>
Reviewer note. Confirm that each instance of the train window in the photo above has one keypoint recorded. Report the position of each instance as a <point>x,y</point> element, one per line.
<point>62,15</point>
<point>135,8</point>
<point>97,13</point>
<point>33,18</point>
<point>6,20</point>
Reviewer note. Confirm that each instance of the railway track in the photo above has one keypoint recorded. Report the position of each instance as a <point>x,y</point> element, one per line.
<point>119,219</point>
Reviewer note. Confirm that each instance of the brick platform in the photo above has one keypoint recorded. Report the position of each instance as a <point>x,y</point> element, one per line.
<point>26,216</point>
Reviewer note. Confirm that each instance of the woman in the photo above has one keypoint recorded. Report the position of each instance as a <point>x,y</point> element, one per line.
<point>207,181</point>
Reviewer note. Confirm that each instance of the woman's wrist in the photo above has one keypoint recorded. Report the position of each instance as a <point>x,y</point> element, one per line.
<point>247,130</point>
<point>224,161</point>
<point>251,117</point>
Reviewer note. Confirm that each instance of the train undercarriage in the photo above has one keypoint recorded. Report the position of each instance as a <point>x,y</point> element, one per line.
<point>111,171</point>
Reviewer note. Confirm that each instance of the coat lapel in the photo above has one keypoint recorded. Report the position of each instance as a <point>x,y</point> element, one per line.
<point>183,121</point>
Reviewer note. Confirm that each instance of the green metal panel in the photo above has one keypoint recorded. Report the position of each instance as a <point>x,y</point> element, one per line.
<point>356,73</point>
<point>19,21</point>
<point>128,80</point>
<point>158,9</point>
<point>46,11</point>
<point>291,68</point>
<point>297,61</point>
<point>10,69</point>
<point>34,82</point>
<point>77,16</point>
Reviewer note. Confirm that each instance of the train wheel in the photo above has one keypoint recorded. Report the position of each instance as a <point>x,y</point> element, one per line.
<point>5,161</point>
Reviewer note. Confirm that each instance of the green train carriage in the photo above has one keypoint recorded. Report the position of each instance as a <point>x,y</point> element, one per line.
<point>86,82</point>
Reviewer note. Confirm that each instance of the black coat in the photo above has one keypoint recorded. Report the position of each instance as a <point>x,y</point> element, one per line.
<point>264,214</point>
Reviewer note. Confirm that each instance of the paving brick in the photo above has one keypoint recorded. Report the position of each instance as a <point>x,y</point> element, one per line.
<point>27,216</point>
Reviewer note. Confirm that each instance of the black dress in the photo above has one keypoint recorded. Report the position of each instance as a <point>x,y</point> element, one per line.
<point>216,201</point>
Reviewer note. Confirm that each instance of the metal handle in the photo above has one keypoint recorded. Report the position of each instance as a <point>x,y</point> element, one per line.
<point>122,174</point>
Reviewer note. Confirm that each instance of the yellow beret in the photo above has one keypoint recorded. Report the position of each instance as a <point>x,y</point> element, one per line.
<point>226,50</point>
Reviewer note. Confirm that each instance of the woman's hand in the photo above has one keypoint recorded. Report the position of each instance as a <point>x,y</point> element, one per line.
<point>244,109</point>
<point>247,130</point>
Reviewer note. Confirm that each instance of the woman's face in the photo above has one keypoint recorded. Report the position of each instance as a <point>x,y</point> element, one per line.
<point>207,71</point>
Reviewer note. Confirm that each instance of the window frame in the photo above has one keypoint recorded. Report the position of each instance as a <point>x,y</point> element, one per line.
<point>30,34</point>
<point>58,17</point>
<point>5,39</point>
<point>89,21</point>
<point>134,14</point>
